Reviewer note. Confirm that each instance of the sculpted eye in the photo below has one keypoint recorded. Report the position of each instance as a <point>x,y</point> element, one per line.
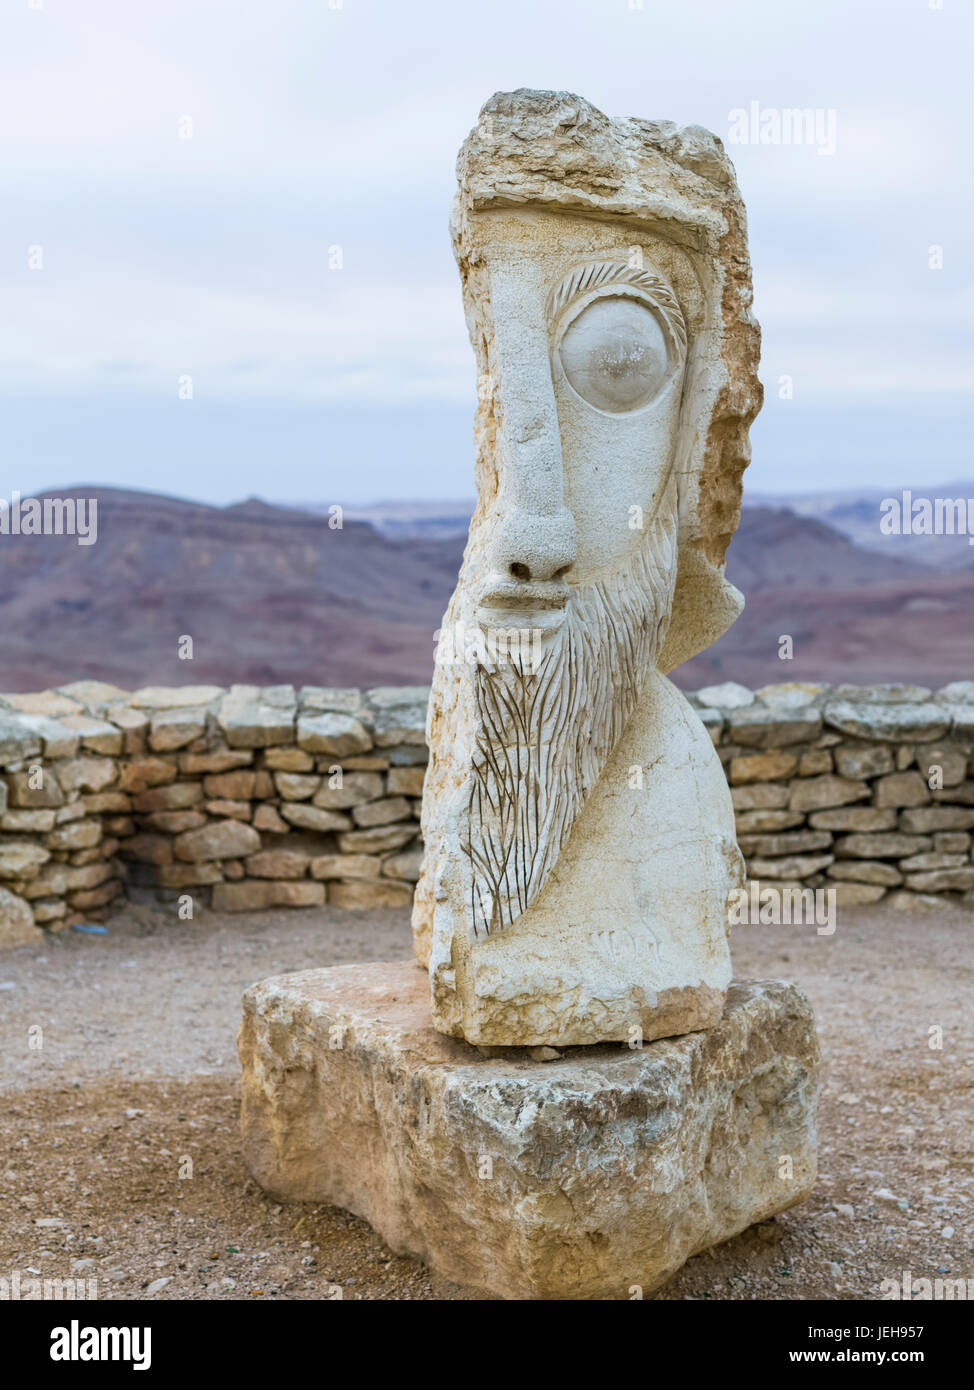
<point>615,354</point>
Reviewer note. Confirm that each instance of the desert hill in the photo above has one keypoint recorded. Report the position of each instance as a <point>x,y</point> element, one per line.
<point>274,594</point>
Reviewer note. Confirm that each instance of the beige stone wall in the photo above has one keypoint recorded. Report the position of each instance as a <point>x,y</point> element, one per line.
<point>867,790</point>
<point>242,799</point>
<point>248,798</point>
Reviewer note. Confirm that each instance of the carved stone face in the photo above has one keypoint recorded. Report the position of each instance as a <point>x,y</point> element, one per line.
<point>607,294</point>
<point>587,365</point>
<point>586,360</point>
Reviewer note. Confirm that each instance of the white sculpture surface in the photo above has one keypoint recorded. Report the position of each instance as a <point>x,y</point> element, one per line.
<point>579,834</point>
<point>580,844</point>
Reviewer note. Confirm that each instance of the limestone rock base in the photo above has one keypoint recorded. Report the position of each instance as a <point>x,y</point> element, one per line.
<point>578,1177</point>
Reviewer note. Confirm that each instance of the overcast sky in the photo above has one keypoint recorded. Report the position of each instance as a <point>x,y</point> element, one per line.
<point>166,257</point>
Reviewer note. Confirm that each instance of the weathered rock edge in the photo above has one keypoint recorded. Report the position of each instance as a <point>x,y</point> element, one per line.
<point>608,1168</point>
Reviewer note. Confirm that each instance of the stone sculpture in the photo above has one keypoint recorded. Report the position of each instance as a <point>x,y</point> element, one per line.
<point>580,842</point>
<point>580,846</point>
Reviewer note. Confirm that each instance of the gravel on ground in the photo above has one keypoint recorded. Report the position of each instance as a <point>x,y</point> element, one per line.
<point>119,1098</point>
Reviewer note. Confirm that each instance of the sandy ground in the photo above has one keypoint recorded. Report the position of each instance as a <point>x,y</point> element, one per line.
<point>119,1132</point>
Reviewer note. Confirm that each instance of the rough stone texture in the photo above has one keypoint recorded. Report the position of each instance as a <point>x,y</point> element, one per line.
<point>148,849</point>
<point>941,880</point>
<point>607,291</point>
<point>143,800</point>
<point>277,863</point>
<point>174,797</point>
<point>406,781</point>
<point>143,773</point>
<point>799,866</point>
<point>729,696</point>
<point>379,840</point>
<point>174,697</point>
<point>819,793</point>
<point>575,1178</point>
<point>313,818</point>
<point>762,767</point>
<point>862,818</point>
<point>406,865</point>
<point>221,840</point>
<point>296,786</point>
<point>346,866</point>
<point>16,921</point>
<point>925,819</point>
<point>21,859</point>
<point>235,810</point>
<point>356,789</point>
<point>24,791</point>
<point>902,789</point>
<point>385,812</point>
<point>815,761</point>
<point>800,842</point>
<point>870,871</point>
<point>856,894</point>
<point>888,721</point>
<point>880,846</point>
<point>865,760</point>
<point>964,793</point>
<point>86,774</point>
<point>332,733</point>
<point>249,719</point>
<point>761,796</point>
<point>79,834</point>
<point>395,726</point>
<point>951,760</point>
<point>361,894</point>
<point>257,894</point>
<point>17,739</point>
<point>766,727</point>
<point>96,735</point>
<point>18,821</point>
<point>176,728</point>
<point>753,822</point>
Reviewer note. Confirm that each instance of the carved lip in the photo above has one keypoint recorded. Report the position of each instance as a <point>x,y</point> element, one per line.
<point>517,602</point>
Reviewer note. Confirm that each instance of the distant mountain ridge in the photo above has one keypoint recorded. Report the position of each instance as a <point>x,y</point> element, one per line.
<point>275,594</point>
<point>856,513</point>
<point>267,593</point>
<point>404,520</point>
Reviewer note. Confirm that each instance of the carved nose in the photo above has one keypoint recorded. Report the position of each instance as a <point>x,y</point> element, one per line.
<point>534,541</point>
<point>536,548</point>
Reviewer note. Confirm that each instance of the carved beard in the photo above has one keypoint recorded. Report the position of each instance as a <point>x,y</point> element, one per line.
<point>546,731</point>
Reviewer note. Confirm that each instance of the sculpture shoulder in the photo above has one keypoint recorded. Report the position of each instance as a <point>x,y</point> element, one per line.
<point>668,727</point>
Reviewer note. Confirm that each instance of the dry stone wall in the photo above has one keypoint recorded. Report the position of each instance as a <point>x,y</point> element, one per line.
<point>254,798</point>
<point>240,799</point>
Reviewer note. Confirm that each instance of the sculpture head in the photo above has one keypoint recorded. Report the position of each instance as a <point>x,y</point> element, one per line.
<point>607,293</point>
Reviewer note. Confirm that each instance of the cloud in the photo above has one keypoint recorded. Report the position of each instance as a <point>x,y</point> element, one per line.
<point>314,127</point>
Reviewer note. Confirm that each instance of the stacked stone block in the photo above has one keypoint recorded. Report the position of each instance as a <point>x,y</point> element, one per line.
<point>263,797</point>
<point>866,790</point>
<point>241,799</point>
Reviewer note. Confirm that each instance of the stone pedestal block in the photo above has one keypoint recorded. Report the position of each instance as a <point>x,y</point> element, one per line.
<point>575,1177</point>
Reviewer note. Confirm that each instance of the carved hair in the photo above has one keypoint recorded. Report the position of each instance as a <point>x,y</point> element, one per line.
<point>545,734</point>
<point>597,275</point>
